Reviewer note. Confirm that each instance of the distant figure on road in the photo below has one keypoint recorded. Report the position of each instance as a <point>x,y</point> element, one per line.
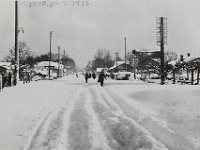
<point>93,75</point>
<point>86,77</point>
<point>77,75</point>
<point>101,77</point>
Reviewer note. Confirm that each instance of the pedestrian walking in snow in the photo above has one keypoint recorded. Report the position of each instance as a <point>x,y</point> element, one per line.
<point>93,75</point>
<point>86,77</point>
<point>101,78</point>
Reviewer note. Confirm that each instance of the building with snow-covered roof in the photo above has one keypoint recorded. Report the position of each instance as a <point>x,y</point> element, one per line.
<point>56,69</point>
<point>5,67</point>
<point>121,66</point>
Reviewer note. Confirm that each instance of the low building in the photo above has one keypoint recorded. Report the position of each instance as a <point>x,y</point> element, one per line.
<point>98,70</point>
<point>56,69</point>
<point>188,68</point>
<point>120,66</point>
<point>7,78</point>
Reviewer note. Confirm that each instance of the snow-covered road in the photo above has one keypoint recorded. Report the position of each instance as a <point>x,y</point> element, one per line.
<point>67,114</point>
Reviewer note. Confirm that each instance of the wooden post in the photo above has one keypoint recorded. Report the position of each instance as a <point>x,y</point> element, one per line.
<point>174,76</point>
<point>134,66</point>
<point>192,76</point>
<point>162,50</point>
<point>198,74</point>
<point>16,73</point>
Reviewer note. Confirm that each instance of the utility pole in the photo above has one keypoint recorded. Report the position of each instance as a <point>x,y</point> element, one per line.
<point>125,53</point>
<point>64,52</point>
<point>50,37</point>
<point>134,57</point>
<point>58,61</point>
<point>16,45</point>
<point>161,40</point>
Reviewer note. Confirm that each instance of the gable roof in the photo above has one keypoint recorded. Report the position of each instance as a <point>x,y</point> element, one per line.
<point>121,65</point>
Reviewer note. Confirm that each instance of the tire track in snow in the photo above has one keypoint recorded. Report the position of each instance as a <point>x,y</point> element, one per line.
<point>47,133</point>
<point>78,137</point>
<point>158,127</point>
<point>64,138</point>
<point>123,132</point>
<point>85,131</point>
<point>99,140</point>
<point>35,133</point>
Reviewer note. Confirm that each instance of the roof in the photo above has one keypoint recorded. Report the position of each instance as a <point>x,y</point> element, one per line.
<point>118,64</point>
<point>100,69</point>
<point>2,63</point>
<point>6,65</point>
<point>122,64</point>
<point>192,59</point>
<point>52,64</point>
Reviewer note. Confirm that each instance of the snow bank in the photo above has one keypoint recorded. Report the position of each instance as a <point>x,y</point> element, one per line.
<point>172,110</point>
<point>23,107</point>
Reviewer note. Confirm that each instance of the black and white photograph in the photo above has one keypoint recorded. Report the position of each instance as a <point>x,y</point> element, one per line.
<point>100,75</point>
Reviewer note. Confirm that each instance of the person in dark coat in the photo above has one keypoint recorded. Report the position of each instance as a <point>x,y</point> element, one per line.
<point>93,75</point>
<point>86,77</point>
<point>101,78</point>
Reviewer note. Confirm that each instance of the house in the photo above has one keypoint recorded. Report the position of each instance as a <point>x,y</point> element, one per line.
<point>188,67</point>
<point>5,67</point>
<point>56,69</point>
<point>120,66</point>
<point>7,78</point>
<point>98,70</point>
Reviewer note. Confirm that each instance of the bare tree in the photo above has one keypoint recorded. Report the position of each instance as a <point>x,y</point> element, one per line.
<point>108,59</point>
<point>24,54</point>
<point>101,59</point>
<point>170,56</point>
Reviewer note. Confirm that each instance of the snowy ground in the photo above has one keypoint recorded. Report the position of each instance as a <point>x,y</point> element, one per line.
<point>67,114</point>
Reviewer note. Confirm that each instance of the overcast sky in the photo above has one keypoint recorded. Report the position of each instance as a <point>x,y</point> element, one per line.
<point>102,24</point>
